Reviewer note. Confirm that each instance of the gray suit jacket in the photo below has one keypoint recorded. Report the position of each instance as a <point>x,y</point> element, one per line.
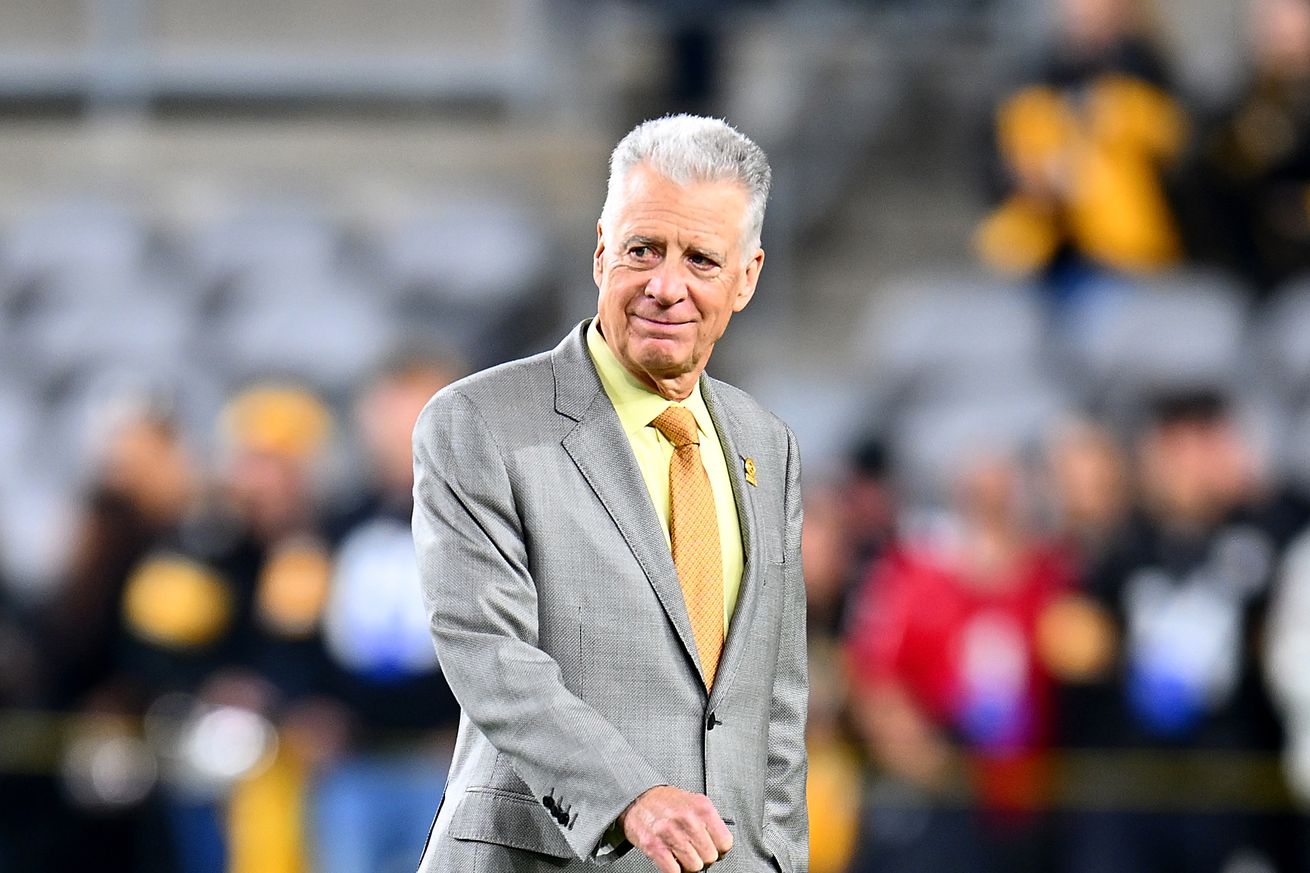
<point>561,627</point>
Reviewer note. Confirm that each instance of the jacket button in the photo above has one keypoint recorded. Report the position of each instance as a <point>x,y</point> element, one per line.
<point>548,802</point>
<point>710,721</point>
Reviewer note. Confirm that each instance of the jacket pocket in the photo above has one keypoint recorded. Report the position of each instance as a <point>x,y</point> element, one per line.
<point>490,815</point>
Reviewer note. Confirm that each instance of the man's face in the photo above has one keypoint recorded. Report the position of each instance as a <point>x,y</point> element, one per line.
<point>671,273</point>
<point>1197,470</point>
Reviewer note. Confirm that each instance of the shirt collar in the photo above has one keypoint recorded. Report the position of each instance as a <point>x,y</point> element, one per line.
<point>636,404</point>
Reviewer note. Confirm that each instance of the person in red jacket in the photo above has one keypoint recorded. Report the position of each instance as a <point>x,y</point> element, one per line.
<point>948,690</point>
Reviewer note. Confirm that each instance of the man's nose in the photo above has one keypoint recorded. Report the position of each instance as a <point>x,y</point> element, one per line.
<point>668,284</point>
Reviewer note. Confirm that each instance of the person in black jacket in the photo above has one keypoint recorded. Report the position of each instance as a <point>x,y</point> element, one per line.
<point>1184,735</point>
<point>1252,165</point>
<point>1082,151</point>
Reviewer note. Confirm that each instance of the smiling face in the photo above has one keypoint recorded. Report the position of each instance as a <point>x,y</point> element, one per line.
<point>672,270</point>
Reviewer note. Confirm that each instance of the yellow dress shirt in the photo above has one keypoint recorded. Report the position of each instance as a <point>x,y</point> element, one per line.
<point>637,406</point>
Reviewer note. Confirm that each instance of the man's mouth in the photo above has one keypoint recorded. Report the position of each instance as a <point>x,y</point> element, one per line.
<point>658,322</point>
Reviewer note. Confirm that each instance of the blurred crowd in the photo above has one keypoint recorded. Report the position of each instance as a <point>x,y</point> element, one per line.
<point>1093,658</point>
<point>235,673</point>
<point>1102,166</point>
<point>1091,655</point>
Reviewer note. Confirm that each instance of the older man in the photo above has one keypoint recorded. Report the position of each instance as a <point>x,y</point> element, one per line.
<point>609,543</point>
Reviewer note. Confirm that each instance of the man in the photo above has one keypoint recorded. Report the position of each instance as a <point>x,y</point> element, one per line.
<point>622,620</point>
<point>1250,176</point>
<point>371,807</point>
<point>1185,589</point>
<point>1081,156</point>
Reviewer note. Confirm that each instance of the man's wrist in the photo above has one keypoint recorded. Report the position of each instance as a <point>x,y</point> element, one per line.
<point>614,836</point>
<point>622,821</point>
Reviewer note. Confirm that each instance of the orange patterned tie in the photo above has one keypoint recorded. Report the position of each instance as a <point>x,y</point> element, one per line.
<point>694,532</point>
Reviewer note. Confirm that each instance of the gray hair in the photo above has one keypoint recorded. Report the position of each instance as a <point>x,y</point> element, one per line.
<point>690,148</point>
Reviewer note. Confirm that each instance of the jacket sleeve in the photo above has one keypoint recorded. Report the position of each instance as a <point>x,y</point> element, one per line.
<point>482,606</point>
<point>786,819</point>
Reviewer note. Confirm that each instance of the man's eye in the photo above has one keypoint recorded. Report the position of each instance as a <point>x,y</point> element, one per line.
<point>641,252</point>
<point>702,262</point>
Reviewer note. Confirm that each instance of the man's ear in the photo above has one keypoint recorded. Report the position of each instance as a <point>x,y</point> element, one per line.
<point>597,260</point>
<point>753,267</point>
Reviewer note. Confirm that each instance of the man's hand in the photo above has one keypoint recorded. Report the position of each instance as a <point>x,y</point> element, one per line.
<point>678,830</point>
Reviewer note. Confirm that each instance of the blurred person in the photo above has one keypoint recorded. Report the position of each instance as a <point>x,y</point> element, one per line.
<point>245,568</point>
<point>224,609</point>
<point>829,554</point>
<point>834,783</point>
<point>31,815</point>
<point>1252,165</point>
<point>848,525</point>
<point>1287,652</point>
<point>23,677</point>
<point>1084,150</point>
<point>948,692</point>
<point>871,507</point>
<point>1185,587</point>
<point>274,439</point>
<point>146,481</point>
<point>371,807</point>
<point>610,548</point>
<point>1089,485</point>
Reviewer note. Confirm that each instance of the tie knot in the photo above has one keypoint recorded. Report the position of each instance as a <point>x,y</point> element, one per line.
<point>678,426</point>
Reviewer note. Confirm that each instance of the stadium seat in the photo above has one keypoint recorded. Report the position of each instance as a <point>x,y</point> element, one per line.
<point>925,333</point>
<point>331,340</point>
<point>1281,341</point>
<point>75,235</point>
<point>262,236</point>
<point>1186,328</point>
<point>929,442</point>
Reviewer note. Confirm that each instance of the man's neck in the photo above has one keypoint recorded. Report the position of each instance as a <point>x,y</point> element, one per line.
<point>677,388</point>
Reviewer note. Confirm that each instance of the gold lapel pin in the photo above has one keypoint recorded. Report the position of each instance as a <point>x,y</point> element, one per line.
<point>749,464</point>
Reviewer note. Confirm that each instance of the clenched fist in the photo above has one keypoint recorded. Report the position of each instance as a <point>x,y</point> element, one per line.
<point>678,830</point>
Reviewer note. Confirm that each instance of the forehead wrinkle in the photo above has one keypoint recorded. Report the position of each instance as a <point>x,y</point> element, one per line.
<point>661,226</point>
<point>669,200</point>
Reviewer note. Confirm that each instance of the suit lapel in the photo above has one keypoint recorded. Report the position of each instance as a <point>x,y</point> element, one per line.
<point>600,449</point>
<point>730,436</point>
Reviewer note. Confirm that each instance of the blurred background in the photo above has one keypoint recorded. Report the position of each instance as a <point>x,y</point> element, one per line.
<point>1037,304</point>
